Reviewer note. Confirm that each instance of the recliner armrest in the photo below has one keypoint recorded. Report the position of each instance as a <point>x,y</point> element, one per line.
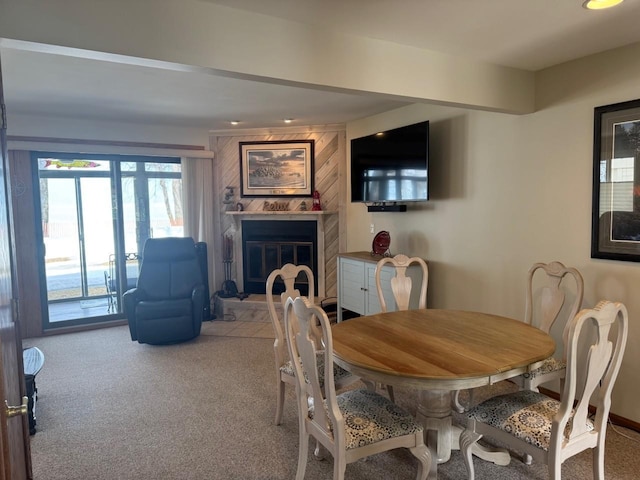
<point>129,300</point>
<point>197,297</point>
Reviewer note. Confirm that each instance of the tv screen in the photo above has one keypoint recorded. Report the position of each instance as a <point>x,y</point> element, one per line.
<point>391,166</point>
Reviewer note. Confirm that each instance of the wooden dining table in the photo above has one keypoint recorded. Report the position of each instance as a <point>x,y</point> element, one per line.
<point>438,352</point>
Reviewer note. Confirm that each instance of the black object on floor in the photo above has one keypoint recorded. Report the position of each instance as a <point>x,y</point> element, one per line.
<point>32,360</point>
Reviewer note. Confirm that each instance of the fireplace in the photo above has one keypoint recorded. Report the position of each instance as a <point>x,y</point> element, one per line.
<point>269,244</point>
<point>325,243</point>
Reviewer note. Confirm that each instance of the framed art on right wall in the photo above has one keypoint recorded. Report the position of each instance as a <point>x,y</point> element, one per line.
<point>615,231</point>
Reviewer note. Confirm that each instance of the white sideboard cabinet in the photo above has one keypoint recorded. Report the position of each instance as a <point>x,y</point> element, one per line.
<point>357,284</point>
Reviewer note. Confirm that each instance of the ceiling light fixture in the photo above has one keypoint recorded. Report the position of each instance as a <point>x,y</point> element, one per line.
<point>234,122</point>
<point>600,4</point>
<point>288,120</point>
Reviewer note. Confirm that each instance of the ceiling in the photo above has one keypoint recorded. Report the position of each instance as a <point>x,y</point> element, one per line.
<point>529,35</point>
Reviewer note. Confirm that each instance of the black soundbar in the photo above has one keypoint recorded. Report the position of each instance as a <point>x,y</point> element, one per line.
<point>386,208</point>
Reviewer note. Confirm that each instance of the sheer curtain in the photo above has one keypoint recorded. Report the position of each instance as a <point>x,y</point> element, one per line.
<point>200,205</point>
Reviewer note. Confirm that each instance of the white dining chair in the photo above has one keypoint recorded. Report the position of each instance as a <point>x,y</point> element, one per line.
<point>350,426</point>
<point>289,274</point>
<point>543,308</point>
<point>552,431</point>
<point>401,284</point>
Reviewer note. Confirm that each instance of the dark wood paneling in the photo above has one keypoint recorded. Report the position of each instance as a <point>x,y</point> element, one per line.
<point>30,307</point>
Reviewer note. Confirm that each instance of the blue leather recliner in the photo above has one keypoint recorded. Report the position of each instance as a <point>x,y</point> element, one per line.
<point>167,304</point>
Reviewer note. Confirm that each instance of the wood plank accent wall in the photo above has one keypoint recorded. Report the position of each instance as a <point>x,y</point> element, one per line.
<point>329,161</point>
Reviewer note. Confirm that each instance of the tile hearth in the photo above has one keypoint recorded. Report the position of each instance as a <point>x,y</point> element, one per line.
<point>240,318</point>
<point>243,318</point>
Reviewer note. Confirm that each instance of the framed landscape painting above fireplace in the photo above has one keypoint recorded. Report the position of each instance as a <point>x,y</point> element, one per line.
<point>276,168</point>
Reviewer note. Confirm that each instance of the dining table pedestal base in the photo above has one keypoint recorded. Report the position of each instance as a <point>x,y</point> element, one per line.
<point>434,413</point>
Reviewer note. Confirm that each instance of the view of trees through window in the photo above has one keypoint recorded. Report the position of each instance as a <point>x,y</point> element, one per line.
<point>98,210</point>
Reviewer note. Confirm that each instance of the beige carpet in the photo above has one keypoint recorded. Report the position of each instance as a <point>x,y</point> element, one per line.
<point>112,409</point>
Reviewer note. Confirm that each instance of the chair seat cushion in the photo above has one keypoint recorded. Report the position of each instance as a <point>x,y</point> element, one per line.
<point>339,373</point>
<point>370,418</point>
<point>548,366</point>
<point>525,414</point>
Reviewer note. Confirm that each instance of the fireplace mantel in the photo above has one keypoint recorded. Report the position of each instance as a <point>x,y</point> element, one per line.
<point>282,215</point>
<point>309,215</point>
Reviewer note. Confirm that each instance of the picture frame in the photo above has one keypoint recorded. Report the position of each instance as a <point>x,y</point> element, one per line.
<point>276,168</point>
<point>615,230</point>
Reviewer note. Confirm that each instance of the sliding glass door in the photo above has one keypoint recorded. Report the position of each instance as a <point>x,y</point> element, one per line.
<point>75,236</point>
<point>96,213</point>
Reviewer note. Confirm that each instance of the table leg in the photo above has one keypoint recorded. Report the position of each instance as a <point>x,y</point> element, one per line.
<point>499,456</point>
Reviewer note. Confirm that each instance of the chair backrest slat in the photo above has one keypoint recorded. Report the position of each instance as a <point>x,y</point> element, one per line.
<point>598,335</point>
<point>401,284</point>
<point>552,297</point>
<point>301,319</point>
<point>288,273</point>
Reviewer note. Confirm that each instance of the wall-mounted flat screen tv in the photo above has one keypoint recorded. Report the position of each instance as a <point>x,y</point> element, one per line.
<point>391,166</point>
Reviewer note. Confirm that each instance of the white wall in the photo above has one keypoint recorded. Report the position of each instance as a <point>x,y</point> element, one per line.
<point>192,34</point>
<point>508,191</point>
<point>71,128</point>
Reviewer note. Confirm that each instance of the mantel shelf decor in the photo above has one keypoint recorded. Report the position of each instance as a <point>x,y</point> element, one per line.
<point>276,206</point>
<point>260,213</point>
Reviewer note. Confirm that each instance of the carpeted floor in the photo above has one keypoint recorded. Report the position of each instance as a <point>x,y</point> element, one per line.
<point>112,409</point>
